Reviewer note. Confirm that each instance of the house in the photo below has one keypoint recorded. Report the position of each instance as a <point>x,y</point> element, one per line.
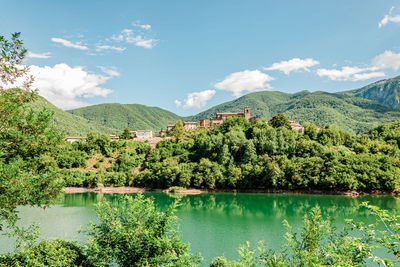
<point>74,139</point>
<point>187,125</point>
<point>113,137</point>
<point>294,125</point>
<point>190,125</point>
<point>142,134</point>
<point>160,133</point>
<point>221,117</point>
<point>170,127</point>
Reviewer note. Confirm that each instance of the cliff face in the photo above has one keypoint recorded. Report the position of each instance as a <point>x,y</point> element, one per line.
<point>386,92</point>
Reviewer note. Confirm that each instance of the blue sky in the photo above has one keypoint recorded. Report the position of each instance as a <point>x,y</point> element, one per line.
<point>186,56</point>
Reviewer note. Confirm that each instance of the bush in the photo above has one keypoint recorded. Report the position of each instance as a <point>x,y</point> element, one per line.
<point>135,233</point>
<point>48,253</point>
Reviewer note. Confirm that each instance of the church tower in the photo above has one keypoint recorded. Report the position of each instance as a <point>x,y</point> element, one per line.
<point>247,113</point>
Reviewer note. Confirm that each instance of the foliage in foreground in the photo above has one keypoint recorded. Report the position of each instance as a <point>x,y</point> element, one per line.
<point>25,138</point>
<point>319,244</point>
<point>135,233</point>
<point>57,253</point>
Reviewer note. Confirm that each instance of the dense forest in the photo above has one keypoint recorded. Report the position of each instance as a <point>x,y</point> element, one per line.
<point>239,155</point>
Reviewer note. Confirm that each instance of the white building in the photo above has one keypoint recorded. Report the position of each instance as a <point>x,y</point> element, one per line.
<point>74,139</point>
<point>142,134</point>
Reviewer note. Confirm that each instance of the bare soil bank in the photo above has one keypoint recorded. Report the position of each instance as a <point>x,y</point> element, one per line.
<point>130,190</point>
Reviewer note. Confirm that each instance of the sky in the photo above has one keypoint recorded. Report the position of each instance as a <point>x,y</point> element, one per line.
<point>187,56</point>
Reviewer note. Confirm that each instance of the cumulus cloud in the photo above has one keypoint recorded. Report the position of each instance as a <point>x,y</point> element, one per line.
<point>178,103</point>
<point>110,71</point>
<point>294,64</point>
<point>197,99</point>
<point>389,18</point>
<point>247,80</point>
<point>348,73</point>
<point>110,47</point>
<point>64,86</point>
<point>387,60</point>
<point>140,40</point>
<point>67,43</point>
<point>39,55</point>
<point>142,26</point>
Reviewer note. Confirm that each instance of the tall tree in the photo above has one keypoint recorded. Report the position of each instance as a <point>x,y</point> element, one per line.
<point>280,120</point>
<point>25,137</point>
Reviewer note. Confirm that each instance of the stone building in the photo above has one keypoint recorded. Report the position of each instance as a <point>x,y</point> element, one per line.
<point>221,117</point>
<point>294,125</point>
<point>142,134</point>
<point>190,125</point>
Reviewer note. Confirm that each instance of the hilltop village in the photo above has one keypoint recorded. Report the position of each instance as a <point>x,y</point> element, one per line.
<point>220,118</point>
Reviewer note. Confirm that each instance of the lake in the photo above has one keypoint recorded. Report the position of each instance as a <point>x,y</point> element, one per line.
<point>214,224</point>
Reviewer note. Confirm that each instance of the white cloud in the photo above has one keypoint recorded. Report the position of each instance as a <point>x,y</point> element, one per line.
<point>142,26</point>
<point>178,103</point>
<point>197,99</point>
<point>63,85</point>
<point>387,60</point>
<point>389,18</point>
<point>128,36</point>
<point>295,64</point>
<point>39,55</point>
<point>247,80</point>
<point>348,73</point>
<point>145,26</point>
<point>67,43</point>
<point>110,71</point>
<point>110,47</point>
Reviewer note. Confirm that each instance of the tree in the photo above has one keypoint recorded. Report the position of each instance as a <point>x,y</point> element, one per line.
<point>178,130</point>
<point>135,233</point>
<point>25,137</point>
<point>126,135</point>
<point>280,120</point>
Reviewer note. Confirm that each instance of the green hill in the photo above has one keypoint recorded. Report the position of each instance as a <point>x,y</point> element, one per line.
<point>352,114</point>
<point>386,92</point>
<point>72,125</point>
<point>120,116</point>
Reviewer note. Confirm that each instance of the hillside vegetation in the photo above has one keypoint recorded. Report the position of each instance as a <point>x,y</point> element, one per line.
<point>68,123</point>
<point>133,116</point>
<point>386,92</point>
<point>352,114</point>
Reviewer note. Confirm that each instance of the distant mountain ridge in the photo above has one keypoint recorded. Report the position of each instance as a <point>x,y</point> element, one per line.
<point>354,111</point>
<point>133,116</point>
<point>352,114</point>
<point>70,124</point>
<point>386,92</point>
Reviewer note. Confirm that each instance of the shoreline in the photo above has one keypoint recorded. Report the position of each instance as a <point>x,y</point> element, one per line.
<point>192,191</point>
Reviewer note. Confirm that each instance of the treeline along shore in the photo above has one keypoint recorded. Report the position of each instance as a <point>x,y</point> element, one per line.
<point>238,156</point>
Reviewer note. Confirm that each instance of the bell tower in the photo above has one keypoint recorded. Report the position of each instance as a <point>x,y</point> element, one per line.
<point>247,113</point>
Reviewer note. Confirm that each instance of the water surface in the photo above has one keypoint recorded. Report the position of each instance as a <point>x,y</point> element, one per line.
<point>214,224</point>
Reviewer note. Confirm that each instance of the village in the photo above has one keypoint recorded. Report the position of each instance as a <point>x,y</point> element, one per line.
<point>220,118</point>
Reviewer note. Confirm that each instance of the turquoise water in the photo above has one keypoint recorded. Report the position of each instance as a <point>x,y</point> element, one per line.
<point>214,224</point>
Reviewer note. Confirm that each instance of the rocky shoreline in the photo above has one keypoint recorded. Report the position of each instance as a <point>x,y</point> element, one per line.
<point>189,191</point>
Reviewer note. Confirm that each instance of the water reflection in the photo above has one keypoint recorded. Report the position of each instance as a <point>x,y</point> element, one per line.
<point>214,224</point>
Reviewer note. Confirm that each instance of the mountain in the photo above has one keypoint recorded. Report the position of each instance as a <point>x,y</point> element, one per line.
<point>352,114</point>
<point>120,116</point>
<point>71,125</point>
<point>386,92</point>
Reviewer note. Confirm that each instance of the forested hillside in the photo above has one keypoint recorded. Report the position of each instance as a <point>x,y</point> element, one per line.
<point>70,124</point>
<point>134,116</point>
<point>352,114</point>
<point>386,92</point>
